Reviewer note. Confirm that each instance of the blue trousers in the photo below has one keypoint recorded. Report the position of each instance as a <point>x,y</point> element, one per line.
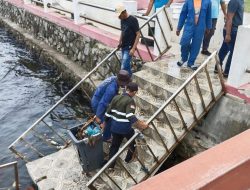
<point>107,131</point>
<point>227,47</point>
<point>190,44</point>
<point>126,59</point>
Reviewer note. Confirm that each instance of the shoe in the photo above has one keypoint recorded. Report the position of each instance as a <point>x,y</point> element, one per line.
<point>130,158</point>
<point>206,52</point>
<point>181,63</point>
<point>193,67</point>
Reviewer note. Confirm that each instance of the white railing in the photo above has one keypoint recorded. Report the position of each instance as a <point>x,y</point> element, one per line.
<point>83,12</point>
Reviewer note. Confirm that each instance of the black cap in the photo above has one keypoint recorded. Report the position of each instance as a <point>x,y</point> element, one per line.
<point>132,87</point>
<point>123,77</point>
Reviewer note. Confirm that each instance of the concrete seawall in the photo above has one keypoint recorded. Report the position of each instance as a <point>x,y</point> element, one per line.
<point>72,53</point>
<point>228,118</point>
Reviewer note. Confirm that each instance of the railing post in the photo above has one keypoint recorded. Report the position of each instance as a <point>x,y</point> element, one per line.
<point>14,165</point>
<point>76,11</point>
<point>45,5</point>
<point>16,176</point>
<point>218,66</point>
<point>160,29</point>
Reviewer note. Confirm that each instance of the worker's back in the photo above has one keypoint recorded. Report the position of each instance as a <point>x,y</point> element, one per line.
<point>103,95</point>
<point>120,110</point>
<point>100,90</point>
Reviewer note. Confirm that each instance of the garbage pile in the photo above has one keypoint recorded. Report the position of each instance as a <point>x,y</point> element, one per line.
<point>87,139</point>
<point>88,131</point>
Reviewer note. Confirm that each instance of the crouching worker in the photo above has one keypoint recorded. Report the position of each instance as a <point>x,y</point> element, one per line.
<point>103,95</point>
<point>121,112</point>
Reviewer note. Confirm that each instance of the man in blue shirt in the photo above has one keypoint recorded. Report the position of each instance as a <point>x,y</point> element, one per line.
<point>103,95</point>
<point>235,11</point>
<point>215,14</point>
<point>196,18</point>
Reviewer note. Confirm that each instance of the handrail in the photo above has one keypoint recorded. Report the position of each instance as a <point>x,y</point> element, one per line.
<point>91,19</point>
<point>155,14</point>
<point>160,110</point>
<point>97,6</point>
<point>153,18</point>
<point>41,120</point>
<point>63,10</point>
<point>66,95</point>
<point>87,18</point>
<point>105,8</point>
<point>38,2</point>
<point>14,164</point>
<point>181,87</point>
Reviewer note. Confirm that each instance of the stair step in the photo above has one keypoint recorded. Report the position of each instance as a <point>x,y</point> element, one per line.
<point>149,104</point>
<point>157,82</point>
<point>169,68</point>
<point>159,88</point>
<point>149,132</point>
<point>120,176</point>
<point>163,127</point>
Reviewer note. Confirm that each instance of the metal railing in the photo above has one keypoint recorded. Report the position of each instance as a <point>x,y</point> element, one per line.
<point>151,122</point>
<point>110,64</point>
<point>152,19</point>
<point>107,9</point>
<point>59,9</point>
<point>14,165</point>
<point>86,16</point>
<point>156,41</point>
<point>99,72</point>
<point>37,1</point>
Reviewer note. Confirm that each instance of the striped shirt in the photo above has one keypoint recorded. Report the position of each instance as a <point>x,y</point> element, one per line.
<point>122,112</point>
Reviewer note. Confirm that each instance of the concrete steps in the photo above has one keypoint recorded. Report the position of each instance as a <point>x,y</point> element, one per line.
<point>135,168</point>
<point>157,82</point>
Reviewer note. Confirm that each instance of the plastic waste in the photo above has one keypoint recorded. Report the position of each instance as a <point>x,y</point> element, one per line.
<point>92,130</point>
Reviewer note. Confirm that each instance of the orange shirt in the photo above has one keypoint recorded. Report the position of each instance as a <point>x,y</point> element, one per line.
<point>197,8</point>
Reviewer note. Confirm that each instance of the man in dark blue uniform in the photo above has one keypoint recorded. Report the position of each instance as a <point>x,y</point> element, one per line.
<point>103,95</point>
<point>121,112</point>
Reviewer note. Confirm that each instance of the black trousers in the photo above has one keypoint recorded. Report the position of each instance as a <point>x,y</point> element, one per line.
<point>116,143</point>
<point>207,37</point>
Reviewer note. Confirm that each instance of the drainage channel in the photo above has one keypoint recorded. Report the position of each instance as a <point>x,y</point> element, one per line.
<point>28,89</point>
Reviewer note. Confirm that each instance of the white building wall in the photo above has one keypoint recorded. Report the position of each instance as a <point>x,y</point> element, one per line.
<point>241,58</point>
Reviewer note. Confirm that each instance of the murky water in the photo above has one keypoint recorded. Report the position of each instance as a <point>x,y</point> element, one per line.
<point>28,88</point>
